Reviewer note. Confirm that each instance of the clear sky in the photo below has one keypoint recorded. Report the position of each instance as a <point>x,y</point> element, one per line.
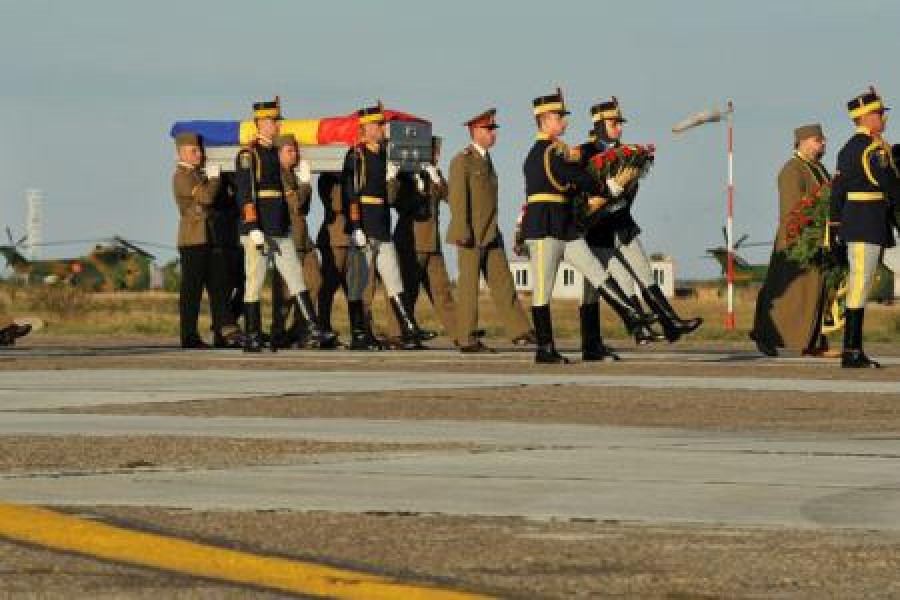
<point>90,89</point>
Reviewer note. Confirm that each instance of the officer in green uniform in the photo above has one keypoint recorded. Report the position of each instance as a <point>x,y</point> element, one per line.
<point>554,176</point>
<point>266,228</point>
<point>202,263</point>
<point>364,183</point>
<point>474,199</point>
<point>866,188</point>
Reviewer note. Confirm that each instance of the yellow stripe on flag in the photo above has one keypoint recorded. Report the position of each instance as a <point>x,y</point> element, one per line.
<point>305,130</point>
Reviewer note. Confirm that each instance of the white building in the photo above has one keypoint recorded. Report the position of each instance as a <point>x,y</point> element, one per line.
<point>570,281</point>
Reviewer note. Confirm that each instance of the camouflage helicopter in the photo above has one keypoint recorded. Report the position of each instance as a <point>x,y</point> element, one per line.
<point>744,271</point>
<point>749,273</point>
<point>113,264</point>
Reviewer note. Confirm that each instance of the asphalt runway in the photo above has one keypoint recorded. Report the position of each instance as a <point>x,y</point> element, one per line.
<point>652,476</point>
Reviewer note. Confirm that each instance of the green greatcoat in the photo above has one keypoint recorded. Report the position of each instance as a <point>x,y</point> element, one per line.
<point>789,305</point>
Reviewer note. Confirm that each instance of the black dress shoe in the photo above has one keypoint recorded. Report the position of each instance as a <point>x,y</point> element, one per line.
<point>599,353</point>
<point>526,339</point>
<point>763,347</point>
<point>477,348</point>
<point>547,354</point>
<point>194,343</point>
<point>857,359</point>
<point>231,340</point>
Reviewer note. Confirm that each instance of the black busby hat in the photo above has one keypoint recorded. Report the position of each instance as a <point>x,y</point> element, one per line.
<point>866,103</point>
<point>608,110</point>
<point>371,114</point>
<point>267,109</point>
<point>551,103</point>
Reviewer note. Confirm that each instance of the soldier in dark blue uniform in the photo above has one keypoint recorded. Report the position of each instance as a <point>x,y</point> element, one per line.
<point>367,208</point>
<point>866,189</point>
<point>615,240</point>
<point>554,176</point>
<point>266,227</point>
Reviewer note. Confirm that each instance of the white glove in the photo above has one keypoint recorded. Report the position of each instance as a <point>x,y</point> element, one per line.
<point>420,183</point>
<point>257,237</point>
<point>615,190</point>
<point>433,173</point>
<point>304,171</point>
<point>213,171</point>
<point>392,170</point>
<point>359,238</point>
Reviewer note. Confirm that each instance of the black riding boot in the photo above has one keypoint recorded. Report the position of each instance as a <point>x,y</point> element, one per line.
<point>361,337</point>
<point>411,334</point>
<point>543,329</point>
<point>853,356</point>
<point>644,334</point>
<point>618,301</point>
<point>316,336</point>
<point>673,325</point>
<point>592,346</point>
<point>252,334</point>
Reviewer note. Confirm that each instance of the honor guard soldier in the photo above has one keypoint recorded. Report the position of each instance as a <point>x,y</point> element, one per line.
<point>474,202</point>
<point>417,237</point>
<point>553,178</point>
<point>366,205</point>
<point>295,177</point>
<point>865,189</point>
<point>615,240</point>
<point>266,227</point>
<point>202,264</point>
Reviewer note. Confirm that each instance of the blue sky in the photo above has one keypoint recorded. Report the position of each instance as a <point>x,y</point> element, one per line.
<point>91,88</point>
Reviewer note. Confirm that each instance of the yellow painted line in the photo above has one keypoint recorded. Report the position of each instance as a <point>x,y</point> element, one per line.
<point>57,531</point>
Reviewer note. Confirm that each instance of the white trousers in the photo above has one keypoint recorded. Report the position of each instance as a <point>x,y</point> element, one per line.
<point>255,267</point>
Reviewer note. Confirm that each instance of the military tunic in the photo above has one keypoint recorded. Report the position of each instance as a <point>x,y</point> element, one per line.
<point>365,192</point>
<point>552,179</point>
<point>866,186</point>
<point>260,191</point>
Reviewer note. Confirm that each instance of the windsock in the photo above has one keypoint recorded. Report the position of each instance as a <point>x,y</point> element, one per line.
<point>700,118</point>
<point>309,132</point>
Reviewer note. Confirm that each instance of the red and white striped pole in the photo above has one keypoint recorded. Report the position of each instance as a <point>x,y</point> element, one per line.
<point>729,228</point>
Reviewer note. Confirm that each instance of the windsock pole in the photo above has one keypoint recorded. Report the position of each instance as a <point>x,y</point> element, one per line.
<point>729,317</point>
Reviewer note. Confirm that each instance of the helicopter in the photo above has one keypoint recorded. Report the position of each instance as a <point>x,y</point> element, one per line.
<point>113,264</point>
<point>746,273</point>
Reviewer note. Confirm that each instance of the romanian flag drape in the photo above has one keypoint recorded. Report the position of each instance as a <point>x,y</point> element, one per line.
<point>309,132</point>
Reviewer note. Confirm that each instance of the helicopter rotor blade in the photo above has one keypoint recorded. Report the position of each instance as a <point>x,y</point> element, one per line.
<point>741,241</point>
<point>122,241</point>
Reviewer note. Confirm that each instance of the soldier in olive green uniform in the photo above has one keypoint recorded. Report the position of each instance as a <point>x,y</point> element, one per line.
<point>474,200</point>
<point>790,302</point>
<point>295,178</point>
<point>417,237</point>
<point>202,265</point>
